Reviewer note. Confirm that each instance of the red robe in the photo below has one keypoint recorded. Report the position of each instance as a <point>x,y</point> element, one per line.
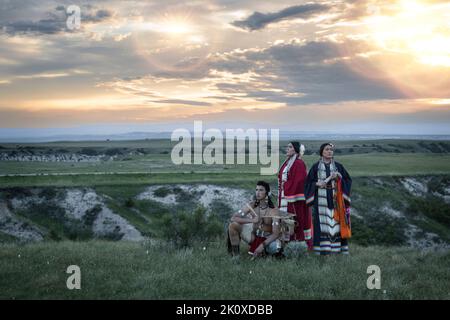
<point>294,189</point>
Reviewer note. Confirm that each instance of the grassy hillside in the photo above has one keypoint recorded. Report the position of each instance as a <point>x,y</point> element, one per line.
<point>122,270</point>
<point>385,211</point>
<point>400,197</point>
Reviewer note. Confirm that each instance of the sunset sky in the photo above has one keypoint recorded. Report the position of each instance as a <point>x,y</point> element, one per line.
<point>362,66</point>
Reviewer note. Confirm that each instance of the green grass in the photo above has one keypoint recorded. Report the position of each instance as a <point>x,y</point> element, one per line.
<point>162,272</point>
<point>125,179</point>
<point>51,218</point>
<point>6,238</point>
<point>123,270</point>
<point>134,172</point>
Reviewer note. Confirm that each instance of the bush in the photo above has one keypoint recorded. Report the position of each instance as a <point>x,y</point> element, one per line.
<point>89,152</point>
<point>221,209</point>
<point>378,229</point>
<point>162,192</point>
<point>48,193</point>
<point>91,215</point>
<point>445,146</point>
<point>76,231</point>
<point>113,152</point>
<point>129,203</point>
<point>17,192</point>
<point>185,228</point>
<point>141,150</point>
<point>114,235</point>
<point>59,226</point>
<point>433,208</point>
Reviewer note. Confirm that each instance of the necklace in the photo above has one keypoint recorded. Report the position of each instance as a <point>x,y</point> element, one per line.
<point>265,207</point>
<point>263,211</point>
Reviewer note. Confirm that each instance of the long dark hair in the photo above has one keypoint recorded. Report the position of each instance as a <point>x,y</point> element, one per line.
<point>296,146</point>
<point>269,198</point>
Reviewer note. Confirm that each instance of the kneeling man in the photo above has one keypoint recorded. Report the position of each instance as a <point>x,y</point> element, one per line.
<point>257,223</point>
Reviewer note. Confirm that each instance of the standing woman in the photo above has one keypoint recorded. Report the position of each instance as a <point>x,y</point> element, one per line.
<point>291,197</point>
<point>327,190</point>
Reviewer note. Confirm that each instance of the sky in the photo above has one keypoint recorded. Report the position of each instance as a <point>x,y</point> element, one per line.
<point>360,66</point>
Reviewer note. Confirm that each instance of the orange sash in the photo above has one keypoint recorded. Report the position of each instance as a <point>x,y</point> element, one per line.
<point>340,212</point>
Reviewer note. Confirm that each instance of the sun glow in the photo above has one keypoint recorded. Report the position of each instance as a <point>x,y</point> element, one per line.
<point>419,29</point>
<point>170,24</point>
<point>175,26</point>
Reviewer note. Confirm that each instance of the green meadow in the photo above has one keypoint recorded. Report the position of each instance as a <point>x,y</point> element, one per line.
<point>122,270</point>
<point>195,265</point>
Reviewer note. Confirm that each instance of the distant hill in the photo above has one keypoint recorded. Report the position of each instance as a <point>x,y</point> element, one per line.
<point>37,135</point>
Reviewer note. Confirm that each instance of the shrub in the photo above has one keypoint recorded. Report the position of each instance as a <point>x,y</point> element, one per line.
<point>143,151</point>
<point>113,152</point>
<point>17,192</point>
<point>162,192</point>
<point>91,214</point>
<point>48,193</point>
<point>89,151</point>
<point>129,203</point>
<point>221,209</point>
<point>433,208</point>
<point>185,228</point>
<point>378,229</point>
<point>114,235</point>
<point>76,230</point>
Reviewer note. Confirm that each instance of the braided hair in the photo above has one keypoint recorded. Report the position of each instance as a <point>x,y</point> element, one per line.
<point>269,197</point>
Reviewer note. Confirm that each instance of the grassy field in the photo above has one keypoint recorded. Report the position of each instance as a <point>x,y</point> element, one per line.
<point>153,163</point>
<point>204,271</point>
<point>154,271</point>
<point>377,157</point>
<point>120,173</point>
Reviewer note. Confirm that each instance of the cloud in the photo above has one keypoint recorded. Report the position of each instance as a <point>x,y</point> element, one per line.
<point>297,72</point>
<point>53,25</point>
<point>54,22</point>
<point>292,72</point>
<point>186,102</point>
<point>97,16</point>
<point>259,20</point>
<point>44,75</point>
<point>315,66</point>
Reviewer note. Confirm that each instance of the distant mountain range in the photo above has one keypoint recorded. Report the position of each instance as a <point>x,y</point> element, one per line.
<point>23,137</point>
